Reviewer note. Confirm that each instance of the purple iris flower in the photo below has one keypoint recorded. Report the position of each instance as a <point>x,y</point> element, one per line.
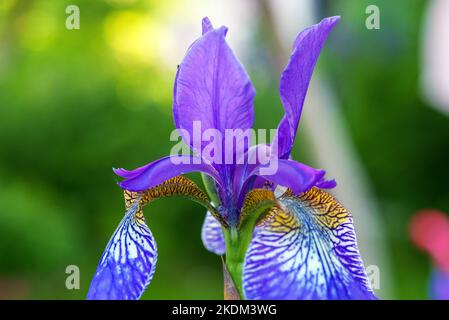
<point>282,235</point>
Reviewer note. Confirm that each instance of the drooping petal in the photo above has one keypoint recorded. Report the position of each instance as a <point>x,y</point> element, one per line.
<point>212,90</point>
<point>212,235</point>
<point>296,77</point>
<point>306,250</point>
<point>161,170</point>
<point>128,174</point>
<point>288,173</point>
<point>128,262</point>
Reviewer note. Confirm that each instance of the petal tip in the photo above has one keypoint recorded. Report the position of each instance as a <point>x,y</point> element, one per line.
<point>331,21</point>
<point>206,25</point>
<point>333,18</point>
<point>223,31</point>
<point>326,184</point>
<point>117,171</point>
<point>123,185</point>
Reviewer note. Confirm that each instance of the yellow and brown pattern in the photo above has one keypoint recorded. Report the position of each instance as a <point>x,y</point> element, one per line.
<point>327,210</point>
<point>256,199</point>
<point>279,220</point>
<point>177,186</point>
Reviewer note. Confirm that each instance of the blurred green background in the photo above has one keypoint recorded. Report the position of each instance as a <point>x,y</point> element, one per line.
<point>75,103</point>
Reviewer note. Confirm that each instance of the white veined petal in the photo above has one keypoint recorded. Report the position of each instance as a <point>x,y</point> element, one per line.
<point>308,250</point>
<point>128,262</point>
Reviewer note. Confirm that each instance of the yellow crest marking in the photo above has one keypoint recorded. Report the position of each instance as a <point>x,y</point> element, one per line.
<point>177,186</point>
<point>325,208</point>
<point>328,211</point>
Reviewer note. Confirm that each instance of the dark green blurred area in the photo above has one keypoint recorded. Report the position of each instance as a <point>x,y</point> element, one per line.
<point>74,104</point>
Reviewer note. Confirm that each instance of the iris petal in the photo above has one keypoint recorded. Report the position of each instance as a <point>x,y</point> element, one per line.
<point>250,161</point>
<point>294,175</point>
<point>206,25</point>
<point>128,262</point>
<point>326,184</point>
<point>296,77</point>
<point>307,250</point>
<point>212,235</point>
<point>161,170</point>
<point>284,139</point>
<point>212,89</point>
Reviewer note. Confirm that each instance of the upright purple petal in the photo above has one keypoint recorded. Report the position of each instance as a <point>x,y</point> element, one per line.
<point>253,157</point>
<point>288,173</point>
<point>296,77</point>
<point>161,170</point>
<point>307,250</point>
<point>284,139</point>
<point>212,235</point>
<point>206,25</point>
<point>128,262</point>
<point>212,90</point>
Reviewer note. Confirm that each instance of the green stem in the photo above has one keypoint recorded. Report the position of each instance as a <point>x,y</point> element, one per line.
<point>237,242</point>
<point>235,255</point>
<point>238,238</point>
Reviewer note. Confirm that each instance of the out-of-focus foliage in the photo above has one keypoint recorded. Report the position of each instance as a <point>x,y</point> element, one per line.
<point>74,104</point>
<point>403,143</point>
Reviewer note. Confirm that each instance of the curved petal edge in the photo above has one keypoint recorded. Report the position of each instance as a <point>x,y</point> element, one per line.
<point>128,262</point>
<point>307,250</point>
<point>212,235</point>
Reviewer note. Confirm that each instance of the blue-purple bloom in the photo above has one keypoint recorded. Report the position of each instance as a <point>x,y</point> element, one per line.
<point>282,235</point>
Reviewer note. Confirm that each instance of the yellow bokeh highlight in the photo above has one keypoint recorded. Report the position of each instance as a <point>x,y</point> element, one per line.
<point>133,37</point>
<point>121,2</point>
<point>139,43</point>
